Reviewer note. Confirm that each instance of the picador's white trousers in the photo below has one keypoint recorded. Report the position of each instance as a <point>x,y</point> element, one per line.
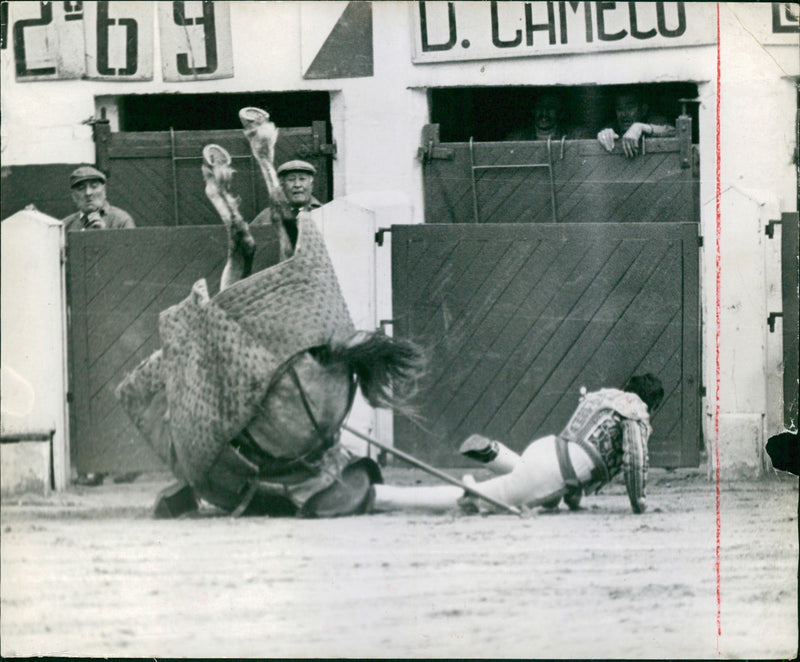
<point>535,479</point>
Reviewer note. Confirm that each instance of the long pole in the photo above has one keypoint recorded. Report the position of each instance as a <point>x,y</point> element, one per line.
<point>433,471</point>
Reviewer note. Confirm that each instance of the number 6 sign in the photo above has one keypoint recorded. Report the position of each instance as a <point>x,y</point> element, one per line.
<point>195,40</point>
<point>119,40</point>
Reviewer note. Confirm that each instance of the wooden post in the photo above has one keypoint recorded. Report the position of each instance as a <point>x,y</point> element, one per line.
<point>101,132</point>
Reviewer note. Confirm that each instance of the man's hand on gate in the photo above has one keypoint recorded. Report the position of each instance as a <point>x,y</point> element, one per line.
<point>630,141</point>
<point>606,138</point>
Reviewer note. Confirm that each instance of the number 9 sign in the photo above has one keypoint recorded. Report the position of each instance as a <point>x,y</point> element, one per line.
<point>195,40</point>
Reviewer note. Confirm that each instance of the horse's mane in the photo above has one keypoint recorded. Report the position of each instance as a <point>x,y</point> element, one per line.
<point>388,369</point>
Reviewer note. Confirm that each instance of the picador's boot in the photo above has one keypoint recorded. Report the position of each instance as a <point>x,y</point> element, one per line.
<point>494,455</point>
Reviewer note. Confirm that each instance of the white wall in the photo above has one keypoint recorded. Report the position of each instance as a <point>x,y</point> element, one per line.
<point>758,181</point>
<point>377,123</point>
<point>33,373</point>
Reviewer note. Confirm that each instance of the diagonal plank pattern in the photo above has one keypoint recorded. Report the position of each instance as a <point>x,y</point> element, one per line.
<point>155,175</point>
<point>118,283</point>
<point>590,185</point>
<point>517,318</point>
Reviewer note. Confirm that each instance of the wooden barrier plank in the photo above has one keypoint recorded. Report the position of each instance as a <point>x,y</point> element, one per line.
<point>593,304</point>
<point>142,271</point>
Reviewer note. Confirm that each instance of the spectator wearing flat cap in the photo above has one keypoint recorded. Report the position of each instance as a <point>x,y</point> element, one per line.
<point>297,180</point>
<point>88,188</point>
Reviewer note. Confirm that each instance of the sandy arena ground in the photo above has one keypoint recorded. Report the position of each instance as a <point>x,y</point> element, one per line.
<point>90,573</point>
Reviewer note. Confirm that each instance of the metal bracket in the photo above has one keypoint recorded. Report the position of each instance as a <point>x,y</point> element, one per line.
<point>379,235</point>
<point>770,229</point>
<point>430,149</point>
<point>318,146</point>
<point>514,166</point>
<point>771,321</point>
<point>684,127</point>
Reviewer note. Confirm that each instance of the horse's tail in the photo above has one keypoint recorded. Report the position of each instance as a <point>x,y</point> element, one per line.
<point>388,369</point>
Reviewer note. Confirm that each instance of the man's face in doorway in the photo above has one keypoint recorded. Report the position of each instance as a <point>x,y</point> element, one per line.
<point>297,186</point>
<point>89,195</point>
<point>629,110</point>
<point>546,114</point>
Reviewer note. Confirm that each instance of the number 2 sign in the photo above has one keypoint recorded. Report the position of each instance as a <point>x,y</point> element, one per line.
<point>195,40</point>
<point>48,40</point>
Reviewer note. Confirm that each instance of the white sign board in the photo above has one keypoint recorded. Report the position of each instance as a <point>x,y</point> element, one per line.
<point>47,39</point>
<point>447,31</point>
<point>195,40</point>
<point>772,24</point>
<point>119,40</point>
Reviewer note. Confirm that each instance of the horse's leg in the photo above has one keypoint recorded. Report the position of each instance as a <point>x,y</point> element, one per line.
<point>262,136</point>
<point>218,173</point>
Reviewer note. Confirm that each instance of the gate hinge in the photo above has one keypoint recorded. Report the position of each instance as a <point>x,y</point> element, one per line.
<point>771,321</point>
<point>699,240</point>
<point>430,146</point>
<point>69,396</point>
<point>379,235</point>
<point>318,145</point>
<point>770,229</point>
<point>325,149</point>
<point>703,392</point>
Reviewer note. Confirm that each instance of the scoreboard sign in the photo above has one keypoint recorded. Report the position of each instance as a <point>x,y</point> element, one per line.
<point>113,39</point>
<point>119,40</point>
<point>447,31</point>
<point>195,40</point>
<point>48,40</point>
<point>777,24</point>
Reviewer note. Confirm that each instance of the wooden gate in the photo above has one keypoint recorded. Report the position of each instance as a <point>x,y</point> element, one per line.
<point>155,175</point>
<point>118,281</point>
<point>517,318</point>
<point>573,181</point>
<point>790,270</point>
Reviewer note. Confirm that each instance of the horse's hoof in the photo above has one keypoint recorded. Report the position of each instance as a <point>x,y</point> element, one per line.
<point>251,116</point>
<point>174,501</point>
<point>215,156</point>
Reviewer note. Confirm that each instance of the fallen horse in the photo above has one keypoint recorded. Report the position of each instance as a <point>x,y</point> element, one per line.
<point>246,398</point>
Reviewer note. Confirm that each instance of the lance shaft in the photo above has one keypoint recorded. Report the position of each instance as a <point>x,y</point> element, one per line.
<point>433,471</point>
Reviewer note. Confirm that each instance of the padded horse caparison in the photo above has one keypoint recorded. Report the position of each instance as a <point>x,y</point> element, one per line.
<point>220,368</point>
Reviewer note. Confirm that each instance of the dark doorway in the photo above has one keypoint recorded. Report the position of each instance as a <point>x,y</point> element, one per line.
<point>208,112</point>
<point>492,113</point>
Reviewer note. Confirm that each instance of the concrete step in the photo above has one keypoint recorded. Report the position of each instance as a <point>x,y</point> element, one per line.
<point>26,463</point>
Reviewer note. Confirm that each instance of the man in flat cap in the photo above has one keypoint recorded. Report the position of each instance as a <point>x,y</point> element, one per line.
<point>88,188</point>
<point>297,181</point>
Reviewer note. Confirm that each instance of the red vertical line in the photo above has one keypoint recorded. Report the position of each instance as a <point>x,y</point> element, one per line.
<point>718,279</point>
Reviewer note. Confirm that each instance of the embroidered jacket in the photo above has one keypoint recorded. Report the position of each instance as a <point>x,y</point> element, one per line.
<point>613,427</point>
